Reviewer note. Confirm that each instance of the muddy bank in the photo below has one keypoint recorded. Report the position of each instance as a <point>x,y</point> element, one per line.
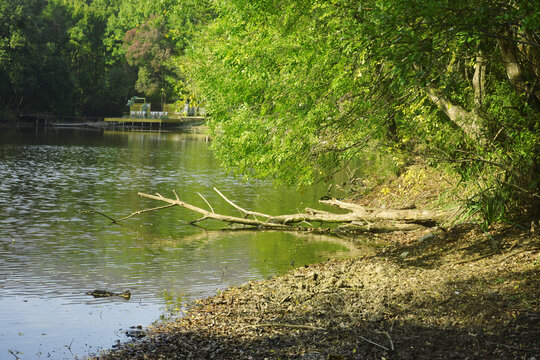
<point>461,294</point>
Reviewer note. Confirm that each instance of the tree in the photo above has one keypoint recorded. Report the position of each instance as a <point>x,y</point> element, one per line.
<point>69,56</point>
<point>20,30</point>
<point>148,48</point>
<point>298,88</point>
<point>77,30</point>
<point>151,37</point>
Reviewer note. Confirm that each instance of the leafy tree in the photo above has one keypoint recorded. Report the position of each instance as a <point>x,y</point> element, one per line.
<point>298,88</point>
<point>151,37</point>
<point>20,29</point>
<point>69,56</point>
<point>77,29</point>
<point>149,49</point>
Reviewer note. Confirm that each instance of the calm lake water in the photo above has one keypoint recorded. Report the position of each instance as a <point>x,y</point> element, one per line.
<point>52,251</point>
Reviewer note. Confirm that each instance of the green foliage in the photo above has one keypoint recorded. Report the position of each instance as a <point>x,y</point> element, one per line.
<point>19,53</point>
<point>297,89</point>
<point>147,48</point>
<point>69,57</point>
<point>7,115</point>
<point>150,36</point>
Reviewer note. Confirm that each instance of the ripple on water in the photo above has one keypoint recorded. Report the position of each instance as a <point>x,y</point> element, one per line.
<point>51,252</point>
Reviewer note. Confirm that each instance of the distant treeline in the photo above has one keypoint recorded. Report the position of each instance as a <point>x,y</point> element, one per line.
<point>78,57</point>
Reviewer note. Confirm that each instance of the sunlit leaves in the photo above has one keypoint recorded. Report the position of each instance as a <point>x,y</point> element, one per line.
<point>297,88</point>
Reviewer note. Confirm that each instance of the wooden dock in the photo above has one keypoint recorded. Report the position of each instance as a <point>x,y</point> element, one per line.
<point>155,122</point>
<point>135,122</point>
<point>179,120</point>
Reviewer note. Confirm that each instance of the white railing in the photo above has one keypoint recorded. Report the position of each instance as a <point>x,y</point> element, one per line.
<point>151,115</point>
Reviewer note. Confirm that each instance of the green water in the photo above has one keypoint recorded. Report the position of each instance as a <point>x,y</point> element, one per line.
<point>52,251</point>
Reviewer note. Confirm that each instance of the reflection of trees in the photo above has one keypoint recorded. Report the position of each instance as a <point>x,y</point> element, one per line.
<point>209,236</point>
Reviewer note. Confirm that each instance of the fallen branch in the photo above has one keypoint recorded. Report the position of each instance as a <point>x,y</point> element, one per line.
<point>406,215</point>
<point>210,215</point>
<point>379,227</point>
<point>206,201</point>
<point>358,219</point>
<point>113,220</point>
<point>140,212</point>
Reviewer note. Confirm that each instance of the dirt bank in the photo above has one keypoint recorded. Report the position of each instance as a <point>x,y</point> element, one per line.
<point>460,294</point>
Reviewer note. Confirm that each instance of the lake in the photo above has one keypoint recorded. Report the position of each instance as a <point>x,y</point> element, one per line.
<point>52,249</point>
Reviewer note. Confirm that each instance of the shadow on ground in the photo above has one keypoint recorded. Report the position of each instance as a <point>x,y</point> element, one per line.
<point>456,295</point>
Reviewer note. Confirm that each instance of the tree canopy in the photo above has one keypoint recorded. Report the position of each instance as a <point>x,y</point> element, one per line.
<point>298,88</point>
<point>79,57</point>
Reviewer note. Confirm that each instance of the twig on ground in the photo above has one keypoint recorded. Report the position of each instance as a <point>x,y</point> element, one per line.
<point>374,343</point>
<point>391,342</point>
<point>296,326</point>
<point>514,254</point>
<point>475,258</point>
<point>514,347</point>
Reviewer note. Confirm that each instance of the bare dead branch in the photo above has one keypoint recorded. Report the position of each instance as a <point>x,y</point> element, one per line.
<point>357,220</point>
<point>210,215</point>
<point>374,343</point>
<point>242,210</point>
<point>113,220</point>
<point>207,203</point>
<point>198,220</point>
<point>295,326</point>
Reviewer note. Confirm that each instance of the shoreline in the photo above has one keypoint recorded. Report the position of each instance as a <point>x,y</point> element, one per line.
<point>195,129</point>
<point>424,295</point>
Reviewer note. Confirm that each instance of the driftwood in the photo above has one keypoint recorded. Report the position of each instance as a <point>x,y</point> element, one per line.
<point>407,216</point>
<point>358,219</point>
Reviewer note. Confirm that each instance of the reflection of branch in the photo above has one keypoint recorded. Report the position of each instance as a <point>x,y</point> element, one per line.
<point>113,220</point>
<point>225,272</point>
<point>213,235</point>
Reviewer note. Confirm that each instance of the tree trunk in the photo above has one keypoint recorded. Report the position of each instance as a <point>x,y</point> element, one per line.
<point>479,80</point>
<point>516,74</point>
<point>463,119</point>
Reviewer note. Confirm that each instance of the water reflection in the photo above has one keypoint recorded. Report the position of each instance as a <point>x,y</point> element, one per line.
<point>52,251</point>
